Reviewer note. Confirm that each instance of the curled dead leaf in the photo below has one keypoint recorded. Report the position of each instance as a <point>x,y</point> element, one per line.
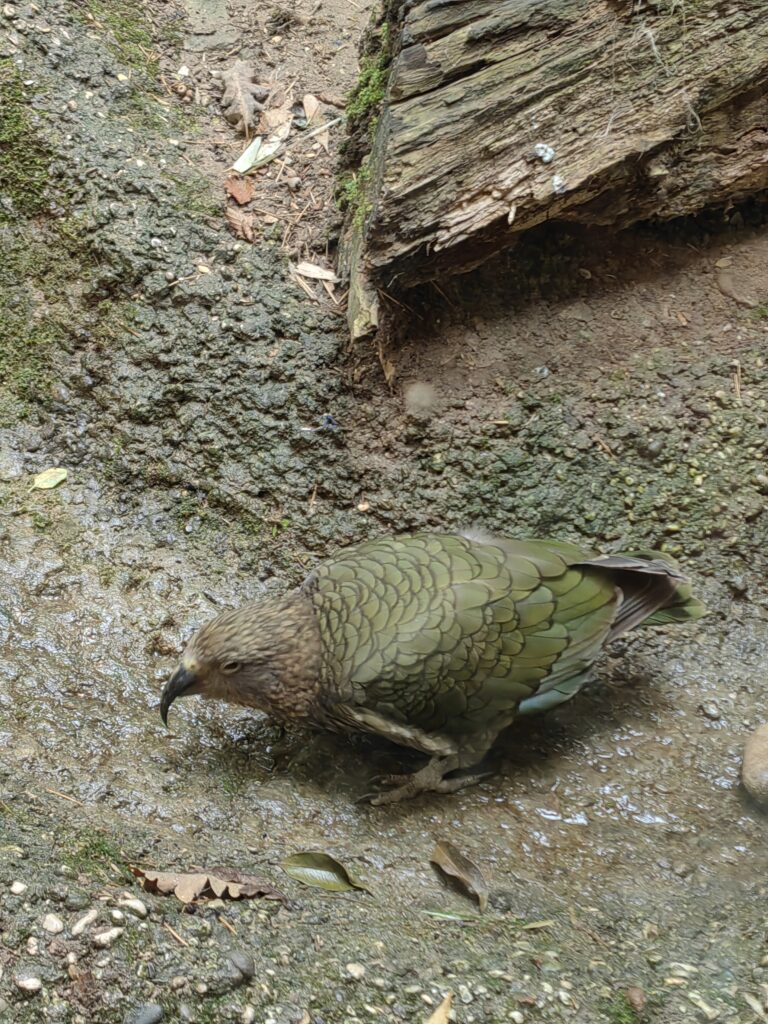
<point>278,112</point>
<point>241,223</point>
<point>454,864</point>
<point>219,882</point>
<point>241,189</point>
<point>243,98</point>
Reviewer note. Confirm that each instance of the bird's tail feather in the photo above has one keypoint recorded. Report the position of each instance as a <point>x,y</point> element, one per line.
<point>655,592</point>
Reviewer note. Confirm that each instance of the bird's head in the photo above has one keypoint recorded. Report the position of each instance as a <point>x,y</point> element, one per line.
<point>265,654</point>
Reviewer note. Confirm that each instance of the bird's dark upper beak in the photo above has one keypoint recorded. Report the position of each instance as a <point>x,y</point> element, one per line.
<point>182,682</point>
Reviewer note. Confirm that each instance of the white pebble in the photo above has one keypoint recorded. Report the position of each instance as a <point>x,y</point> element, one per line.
<point>135,907</point>
<point>33,945</point>
<point>248,1015</point>
<point>754,772</point>
<point>357,971</point>
<point>107,938</point>
<point>464,994</point>
<point>17,888</point>
<point>117,916</point>
<point>87,919</point>
<point>517,1017</point>
<point>29,985</point>
<point>52,923</point>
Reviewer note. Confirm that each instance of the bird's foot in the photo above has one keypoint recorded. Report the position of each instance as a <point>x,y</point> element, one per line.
<point>430,779</point>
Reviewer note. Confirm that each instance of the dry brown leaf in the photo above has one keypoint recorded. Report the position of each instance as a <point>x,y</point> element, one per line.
<point>243,97</point>
<point>440,1016</point>
<point>241,189</point>
<point>311,106</point>
<point>453,863</point>
<point>242,223</point>
<point>278,112</point>
<point>324,138</point>
<point>332,99</point>
<point>217,882</point>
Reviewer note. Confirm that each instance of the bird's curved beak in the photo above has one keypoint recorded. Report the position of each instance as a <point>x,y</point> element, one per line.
<point>182,683</point>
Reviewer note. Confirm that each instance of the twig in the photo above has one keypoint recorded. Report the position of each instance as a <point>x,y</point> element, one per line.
<point>175,934</point>
<point>604,446</point>
<point>227,925</point>
<point>65,796</point>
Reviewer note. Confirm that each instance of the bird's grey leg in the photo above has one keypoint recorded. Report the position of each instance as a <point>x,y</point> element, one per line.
<point>430,779</point>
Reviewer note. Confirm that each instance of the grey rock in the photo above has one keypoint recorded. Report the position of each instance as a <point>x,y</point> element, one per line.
<point>149,1013</point>
<point>243,962</point>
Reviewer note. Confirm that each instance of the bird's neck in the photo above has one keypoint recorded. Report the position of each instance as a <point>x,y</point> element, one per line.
<point>297,659</point>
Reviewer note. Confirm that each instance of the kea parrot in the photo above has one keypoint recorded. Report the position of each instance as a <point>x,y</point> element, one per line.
<point>435,641</point>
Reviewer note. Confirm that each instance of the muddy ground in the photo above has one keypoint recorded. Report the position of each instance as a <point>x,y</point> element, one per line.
<point>609,391</point>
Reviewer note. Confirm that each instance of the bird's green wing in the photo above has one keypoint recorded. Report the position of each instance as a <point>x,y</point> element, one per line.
<point>449,634</point>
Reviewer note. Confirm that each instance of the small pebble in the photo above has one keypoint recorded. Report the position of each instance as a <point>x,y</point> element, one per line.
<point>27,984</point>
<point>117,916</point>
<point>517,1017</point>
<point>17,888</point>
<point>82,923</point>
<point>52,923</point>
<point>248,1015</point>
<point>754,771</point>
<point>76,901</point>
<point>357,971</point>
<point>464,994</point>
<point>149,1013</point>
<point>105,939</point>
<point>710,710</point>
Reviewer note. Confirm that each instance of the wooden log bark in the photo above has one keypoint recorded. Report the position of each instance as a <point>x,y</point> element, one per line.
<point>500,114</point>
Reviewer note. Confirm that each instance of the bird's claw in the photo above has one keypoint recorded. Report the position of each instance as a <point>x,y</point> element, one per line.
<point>428,780</point>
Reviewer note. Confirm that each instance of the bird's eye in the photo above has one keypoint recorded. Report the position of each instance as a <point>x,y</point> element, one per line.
<point>230,666</point>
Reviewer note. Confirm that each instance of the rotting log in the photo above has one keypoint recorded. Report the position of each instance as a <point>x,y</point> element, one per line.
<point>501,114</point>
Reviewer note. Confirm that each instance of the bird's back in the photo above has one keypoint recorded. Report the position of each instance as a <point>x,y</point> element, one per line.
<point>451,633</point>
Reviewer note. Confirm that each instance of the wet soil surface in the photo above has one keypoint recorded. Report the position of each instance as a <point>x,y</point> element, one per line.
<point>613,392</point>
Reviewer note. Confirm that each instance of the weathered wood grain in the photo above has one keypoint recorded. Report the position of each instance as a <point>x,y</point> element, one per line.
<point>501,114</point>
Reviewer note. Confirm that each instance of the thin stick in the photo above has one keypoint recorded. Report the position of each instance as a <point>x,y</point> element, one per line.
<point>175,934</point>
<point>65,796</point>
<point>227,925</point>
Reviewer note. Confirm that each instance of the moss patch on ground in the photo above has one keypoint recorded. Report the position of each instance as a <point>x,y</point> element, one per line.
<point>24,163</point>
<point>131,37</point>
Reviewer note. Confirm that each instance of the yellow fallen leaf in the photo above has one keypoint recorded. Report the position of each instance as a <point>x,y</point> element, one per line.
<point>49,478</point>
<point>440,1016</point>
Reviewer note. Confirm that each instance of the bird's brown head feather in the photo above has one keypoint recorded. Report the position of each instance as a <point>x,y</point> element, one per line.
<point>265,654</point>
